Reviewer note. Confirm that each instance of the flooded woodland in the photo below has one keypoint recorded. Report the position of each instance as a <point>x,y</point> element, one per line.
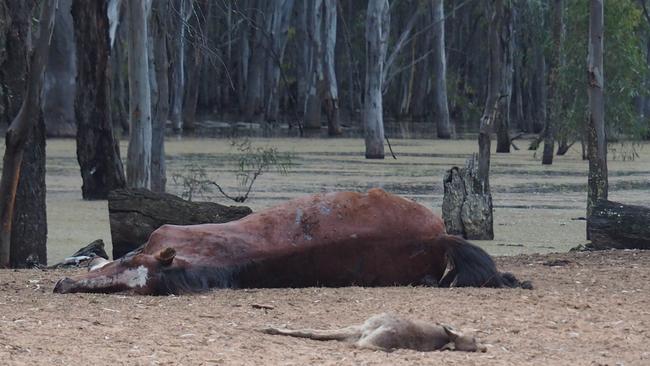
<point>538,209</point>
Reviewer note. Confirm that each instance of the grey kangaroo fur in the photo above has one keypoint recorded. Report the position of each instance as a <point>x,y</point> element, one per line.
<point>387,332</point>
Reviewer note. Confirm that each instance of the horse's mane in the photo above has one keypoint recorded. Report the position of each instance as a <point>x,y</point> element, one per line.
<point>175,280</point>
<point>471,266</point>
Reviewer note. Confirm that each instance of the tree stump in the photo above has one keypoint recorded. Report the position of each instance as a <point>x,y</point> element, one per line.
<point>467,204</point>
<point>135,213</point>
<point>619,226</point>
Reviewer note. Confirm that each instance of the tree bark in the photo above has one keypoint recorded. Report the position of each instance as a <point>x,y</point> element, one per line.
<point>98,150</point>
<point>119,75</point>
<point>596,139</point>
<point>14,57</point>
<point>314,75</point>
<point>60,88</point>
<point>330,88</point>
<point>492,112</point>
<point>505,43</point>
<point>160,113</point>
<point>440,104</point>
<point>494,103</point>
<point>377,29</point>
<point>466,208</point>
<point>254,106</point>
<point>29,226</point>
<point>279,29</point>
<point>135,214</point>
<point>139,153</point>
<point>178,19</point>
<point>15,142</point>
<point>615,225</point>
<point>553,104</point>
<point>194,62</point>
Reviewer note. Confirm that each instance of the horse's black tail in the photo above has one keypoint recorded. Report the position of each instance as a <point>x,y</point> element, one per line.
<point>467,265</point>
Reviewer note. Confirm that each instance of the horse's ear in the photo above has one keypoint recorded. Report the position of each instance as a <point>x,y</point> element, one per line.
<point>451,333</point>
<point>166,256</point>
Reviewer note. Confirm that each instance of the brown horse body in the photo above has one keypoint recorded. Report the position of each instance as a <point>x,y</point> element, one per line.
<point>333,239</point>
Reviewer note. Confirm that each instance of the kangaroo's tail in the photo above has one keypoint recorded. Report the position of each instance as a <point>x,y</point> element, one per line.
<point>470,266</point>
<point>349,333</point>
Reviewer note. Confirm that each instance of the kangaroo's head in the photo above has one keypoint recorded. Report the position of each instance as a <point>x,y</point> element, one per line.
<point>461,342</point>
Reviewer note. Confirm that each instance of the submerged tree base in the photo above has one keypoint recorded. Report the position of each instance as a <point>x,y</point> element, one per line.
<point>467,205</point>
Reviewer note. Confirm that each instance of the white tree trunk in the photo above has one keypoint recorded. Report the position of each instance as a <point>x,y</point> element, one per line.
<point>596,139</point>
<point>180,17</point>
<point>138,168</point>
<point>330,90</point>
<point>440,105</point>
<point>113,14</point>
<point>279,28</point>
<point>314,73</point>
<point>377,26</point>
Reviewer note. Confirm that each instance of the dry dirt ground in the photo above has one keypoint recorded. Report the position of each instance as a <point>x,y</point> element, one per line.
<point>586,309</point>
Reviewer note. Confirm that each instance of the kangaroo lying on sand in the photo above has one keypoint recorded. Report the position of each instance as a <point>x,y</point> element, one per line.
<point>387,332</point>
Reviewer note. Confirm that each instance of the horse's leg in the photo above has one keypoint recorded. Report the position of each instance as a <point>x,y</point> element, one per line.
<point>343,334</point>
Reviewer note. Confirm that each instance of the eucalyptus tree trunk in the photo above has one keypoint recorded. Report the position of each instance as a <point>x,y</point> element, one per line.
<point>279,29</point>
<point>119,74</point>
<point>98,150</point>
<point>23,236</point>
<point>330,88</point>
<point>494,101</point>
<point>314,74</point>
<point>60,87</point>
<point>303,58</point>
<point>29,219</point>
<point>553,104</point>
<point>596,139</point>
<point>421,107</point>
<point>440,104</point>
<point>138,165</point>
<point>254,105</point>
<point>160,109</point>
<point>377,29</point>
<point>29,224</point>
<point>178,18</point>
<point>14,54</point>
<point>197,40</point>
<point>506,44</point>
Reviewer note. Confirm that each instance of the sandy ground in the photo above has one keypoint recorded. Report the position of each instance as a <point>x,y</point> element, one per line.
<point>588,309</point>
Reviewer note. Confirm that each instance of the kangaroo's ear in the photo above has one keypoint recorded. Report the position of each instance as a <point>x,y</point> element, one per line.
<point>451,333</point>
<point>451,346</point>
<point>166,256</point>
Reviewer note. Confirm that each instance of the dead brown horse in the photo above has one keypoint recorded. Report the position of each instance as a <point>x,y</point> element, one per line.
<point>333,239</point>
<point>387,332</point>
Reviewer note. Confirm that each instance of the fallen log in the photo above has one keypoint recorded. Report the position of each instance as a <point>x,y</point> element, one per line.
<point>614,225</point>
<point>84,256</point>
<point>135,213</point>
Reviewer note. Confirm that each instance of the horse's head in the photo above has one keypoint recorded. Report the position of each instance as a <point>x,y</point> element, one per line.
<point>461,342</point>
<point>135,271</point>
